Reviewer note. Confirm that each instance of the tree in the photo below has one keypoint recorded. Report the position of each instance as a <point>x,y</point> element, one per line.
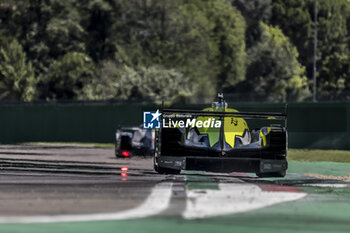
<point>126,83</point>
<point>202,39</point>
<point>171,35</point>
<point>66,77</point>
<point>333,50</point>
<point>295,18</point>
<point>101,21</point>
<point>47,29</point>
<point>273,72</point>
<point>254,12</point>
<point>228,34</point>
<point>17,80</point>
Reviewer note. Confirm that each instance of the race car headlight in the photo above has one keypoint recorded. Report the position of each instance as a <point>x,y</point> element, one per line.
<point>264,131</point>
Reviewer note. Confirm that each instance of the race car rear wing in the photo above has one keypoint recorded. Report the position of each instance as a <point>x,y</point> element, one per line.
<point>246,115</point>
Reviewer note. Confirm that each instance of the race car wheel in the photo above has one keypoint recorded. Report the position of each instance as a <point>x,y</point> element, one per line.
<point>116,150</point>
<point>272,174</point>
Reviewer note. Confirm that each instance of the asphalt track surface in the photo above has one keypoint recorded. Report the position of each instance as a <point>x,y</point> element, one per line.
<point>84,189</point>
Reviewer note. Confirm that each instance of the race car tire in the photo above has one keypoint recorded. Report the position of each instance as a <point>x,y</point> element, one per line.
<point>115,150</point>
<point>272,174</point>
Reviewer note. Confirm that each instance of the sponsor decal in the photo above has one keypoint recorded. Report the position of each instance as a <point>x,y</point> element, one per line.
<point>152,120</point>
<point>190,123</point>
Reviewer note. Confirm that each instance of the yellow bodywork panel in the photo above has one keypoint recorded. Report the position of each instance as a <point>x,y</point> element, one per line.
<point>212,132</point>
<point>233,126</point>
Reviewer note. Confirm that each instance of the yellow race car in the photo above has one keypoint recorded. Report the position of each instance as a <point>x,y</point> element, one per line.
<point>218,139</point>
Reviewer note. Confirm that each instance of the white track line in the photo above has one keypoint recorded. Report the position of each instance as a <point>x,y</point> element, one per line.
<point>156,202</point>
<point>232,198</point>
<point>329,185</point>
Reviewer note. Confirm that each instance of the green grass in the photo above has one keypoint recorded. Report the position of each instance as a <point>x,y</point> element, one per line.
<point>103,145</point>
<point>319,155</point>
<point>77,144</point>
<point>315,167</point>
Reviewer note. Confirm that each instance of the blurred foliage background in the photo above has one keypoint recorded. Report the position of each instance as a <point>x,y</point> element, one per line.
<point>183,50</point>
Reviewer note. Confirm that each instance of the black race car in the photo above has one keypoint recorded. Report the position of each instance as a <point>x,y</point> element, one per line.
<point>218,139</point>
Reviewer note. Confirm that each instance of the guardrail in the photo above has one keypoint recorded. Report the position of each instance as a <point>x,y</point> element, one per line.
<point>311,125</point>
